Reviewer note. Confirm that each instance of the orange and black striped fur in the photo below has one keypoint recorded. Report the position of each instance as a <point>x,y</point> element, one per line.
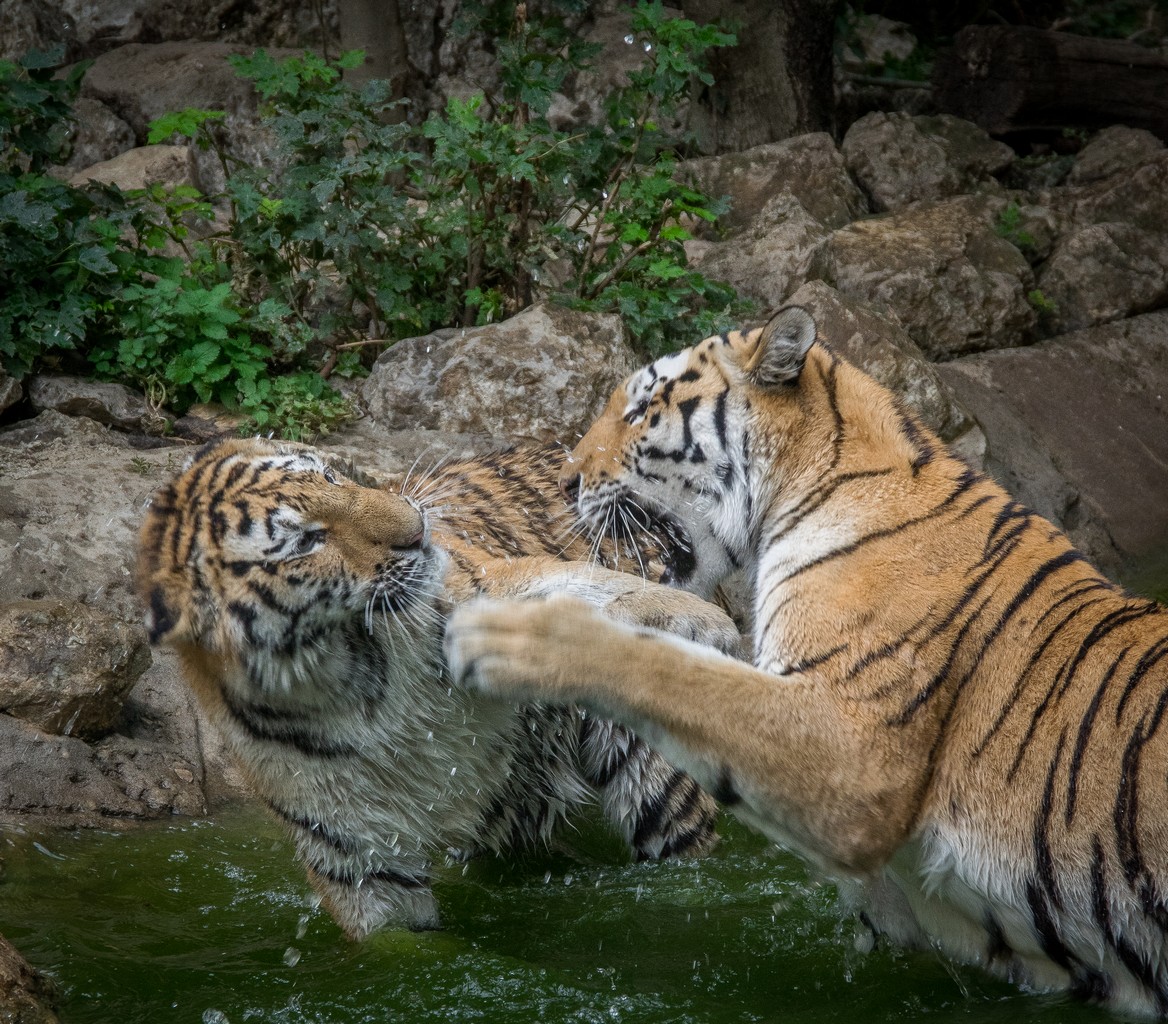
<point>950,710</point>
<point>308,611</point>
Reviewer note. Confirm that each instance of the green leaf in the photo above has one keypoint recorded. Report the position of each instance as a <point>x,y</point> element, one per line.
<point>95,258</point>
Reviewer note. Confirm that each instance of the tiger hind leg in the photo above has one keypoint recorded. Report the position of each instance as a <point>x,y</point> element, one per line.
<point>660,811</point>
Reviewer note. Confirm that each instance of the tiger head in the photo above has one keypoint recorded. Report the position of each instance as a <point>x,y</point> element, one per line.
<point>263,553</point>
<point>672,454</point>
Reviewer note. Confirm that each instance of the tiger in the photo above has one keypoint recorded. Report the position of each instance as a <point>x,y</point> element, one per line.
<point>948,710</point>
<point>307,605</point>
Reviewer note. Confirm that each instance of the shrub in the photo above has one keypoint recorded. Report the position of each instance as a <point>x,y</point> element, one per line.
<point>84,284</point>
<point>481,209</point>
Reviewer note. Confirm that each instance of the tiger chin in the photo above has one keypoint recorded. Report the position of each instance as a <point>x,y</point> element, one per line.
<point>308,607</point>
<point>949,710</point>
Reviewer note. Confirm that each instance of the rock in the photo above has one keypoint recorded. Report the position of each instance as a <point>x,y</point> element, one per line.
<point>1074,429</point>
<point>49,425</point>
<point>542,375</point>
<point>1112,151</point>
<point>26,995</point>
<point>1138,197</point>
<point>608,70</point>
<point>64,780</point>
<point>900,158</point>
<point>1110,259</point>
<point>879,38</point>
<point>101,135</point>
<point>104,402</point>
<point>883,349</point>
<point>10,390</point>
<point>770,259</point>
<point>84,28</point>
<point>142,81</point>
<point>1101,273</point>
<point>67,668</point>
<point>19,31</point>
<point>141,168</point>
<point>953,283</point>
<point>807,168</point>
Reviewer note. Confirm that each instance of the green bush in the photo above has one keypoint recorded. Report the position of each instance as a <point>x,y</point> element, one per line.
<point>362,225</point>
<point>483,208</point>
<point>84,285</point>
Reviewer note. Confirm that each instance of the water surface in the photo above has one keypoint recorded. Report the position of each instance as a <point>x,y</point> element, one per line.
<point>210,922</point>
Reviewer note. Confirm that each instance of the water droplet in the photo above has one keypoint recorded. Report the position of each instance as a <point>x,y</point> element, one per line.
<point>629,39</point>
<point>215,1017</point>
<point>302,926</point>
<point>604,193</point>
<point>547,877</point>
<point>647,46</point>
<point>291,956</point>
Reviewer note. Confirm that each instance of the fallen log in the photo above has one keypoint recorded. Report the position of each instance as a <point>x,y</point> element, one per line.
<point>1011,79</point>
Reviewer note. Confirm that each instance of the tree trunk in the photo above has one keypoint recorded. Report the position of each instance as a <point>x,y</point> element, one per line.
<point>375,26</point>
<point>1012,79</point>
<point>777,82</point>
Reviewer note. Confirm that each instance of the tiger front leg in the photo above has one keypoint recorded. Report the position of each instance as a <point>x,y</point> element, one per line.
<point>362,902</point>
<point>808,767</point>
<point>375,902</point>
<point>621,596</point>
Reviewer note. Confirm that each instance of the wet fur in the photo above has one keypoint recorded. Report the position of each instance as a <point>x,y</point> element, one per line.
<point>308,611</point>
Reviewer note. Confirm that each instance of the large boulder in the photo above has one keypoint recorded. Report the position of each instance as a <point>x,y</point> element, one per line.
<point>1075,429</point>
<point>883,349</point>
<point>954,283</point>
<point>67,668</point>
<point>770,259</point>
<point>64,780</point>
<point>100,134</point>
<point>543,375</point>
<point>142,81</point>
<point>85,28</point>
<point>1114,150</point>
<point>900,158</point>
<point>10,390</point>
<point>141,168</point>
<point>1110,259</point>
<point>806,168</point>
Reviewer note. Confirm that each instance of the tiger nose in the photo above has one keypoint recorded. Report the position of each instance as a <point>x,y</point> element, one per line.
<point>570,487</point>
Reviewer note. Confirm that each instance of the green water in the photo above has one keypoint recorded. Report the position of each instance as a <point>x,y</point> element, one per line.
<point>210,922</point>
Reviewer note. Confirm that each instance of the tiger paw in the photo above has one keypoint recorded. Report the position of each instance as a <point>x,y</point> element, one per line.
<point>522,650</point>
<point>681,614</point>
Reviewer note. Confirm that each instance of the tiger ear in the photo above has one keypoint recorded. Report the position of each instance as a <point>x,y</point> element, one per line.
<point>781,348</point>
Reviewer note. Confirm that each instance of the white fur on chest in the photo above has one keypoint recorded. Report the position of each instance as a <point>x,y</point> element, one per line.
<point>421,760</point>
